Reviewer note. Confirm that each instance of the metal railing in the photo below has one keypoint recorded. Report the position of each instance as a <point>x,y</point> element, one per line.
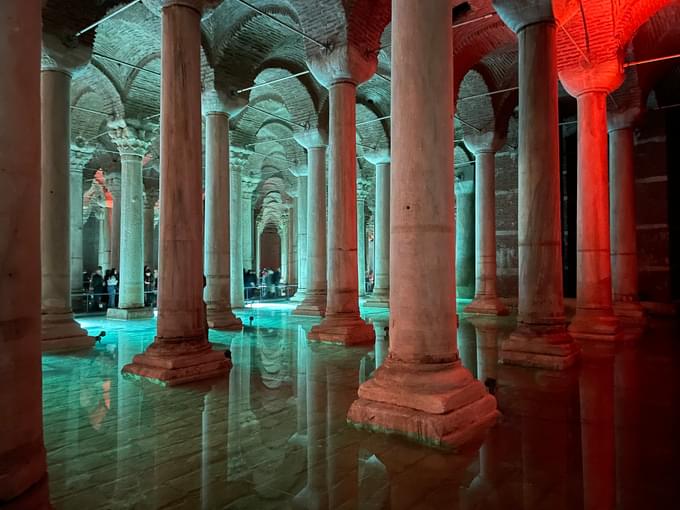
<point>263,292</point>
<point>98,302</point>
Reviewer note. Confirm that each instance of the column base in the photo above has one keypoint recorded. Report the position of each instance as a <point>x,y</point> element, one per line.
<point>486,306</point>
<point>299,296</point>
<point>346,329</point>
<point>129,314</point>
<point>630,312</point>
<point>537,346</point>
<point>448,407</point>
<point>378,299</point>
<point>597,325</point>
<point>224,320</point>
<point>178,364</point>
<point>314,305</point>
<point>61,332</point>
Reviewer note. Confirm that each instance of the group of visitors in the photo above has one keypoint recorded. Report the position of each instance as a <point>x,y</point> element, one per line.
<point>103,288</point>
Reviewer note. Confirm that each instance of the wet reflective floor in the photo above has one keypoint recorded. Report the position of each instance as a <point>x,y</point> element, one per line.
<point>272,434</point>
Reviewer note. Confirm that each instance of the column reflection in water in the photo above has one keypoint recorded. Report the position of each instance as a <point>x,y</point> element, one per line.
<point>241,418</point>
<point>214,450</point>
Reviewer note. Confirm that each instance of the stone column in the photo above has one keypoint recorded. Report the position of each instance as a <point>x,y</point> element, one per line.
<point>236,166</point>
<point>622,217</point>
<point>370,239</point>
<point>180,352</point>
<point>594,318</point>
<point>486,301</point>
<point>283,236</point>
<point>22,452</point>
<point>80,156</point>
<point>113,184</point>
<point>362,195</point>
<point>259,228</point>
<point>422,389</point>
<point>104,219</point>
<point>301,228</point>
<point>150,200</point>
<point>132,138</point>
<point>381,290</point>
<point>314,302</point>
<point>342,323</point>
<point>541,339</point>
<point>464,191</point>
<point>60,331</point>
<point>248,186</point>
<point>217,108</point>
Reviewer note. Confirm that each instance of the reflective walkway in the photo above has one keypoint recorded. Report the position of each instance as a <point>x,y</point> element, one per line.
<point>273,434</point>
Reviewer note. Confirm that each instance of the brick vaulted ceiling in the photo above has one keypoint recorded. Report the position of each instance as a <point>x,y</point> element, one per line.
<point>242,47</point>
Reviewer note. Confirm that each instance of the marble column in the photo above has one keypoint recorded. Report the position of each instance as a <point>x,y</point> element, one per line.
<point>486,301</point>
<point>248,186</point>
<point>132,138</point>
<point>80,156</point>
<point>622,217</point>
<point>541,339</point>
<point>594,318</point>
<point>236,166</point>
<point>422,389</point>
<point>180,352</point>
<point>342,323</point>
<point>314,302</point>
<point>259,228</point>
<point>22,451</point>
<point>362,195</point>
<point>113,184</point>
<point>464,191</point>
<point>283,236</point>
<point>217,108</point>
<point>301,232</point>
<point>381,289</point>
<point>60,331</point>
<point>103,215</point>
<point>150,200</point>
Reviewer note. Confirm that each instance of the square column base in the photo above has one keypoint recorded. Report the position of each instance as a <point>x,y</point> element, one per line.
<point>180,369</point>
<point>129,314</point>
<point>314,305</point>
<point>451,407</point>
<point>379,300</point>
<point>343,329</point>
<point>595,325</point>
<point>61,333</point>
<point>549,347</point>
<point>486,306</point>
<point>224,320</point>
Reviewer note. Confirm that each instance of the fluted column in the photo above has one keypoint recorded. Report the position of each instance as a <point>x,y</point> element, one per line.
<point>217,108</point>
<point>381,289</point>
<point>180,352</point>
<point>342,323</point>
<point>60,331</point>
<point>594,318</point>
<point>248,186</point>
<point>22,451</point>
<point>464,191</point>
<point>422,390</point>
<point>132,138</point>
<point>113,184</point>
<point>103,215</point>
<point>541,338</point>
<point>486,301</point>
<point>80,156</point>
<point>622,217</point>
<point>150,200</point>
<point>362,195</point>
<point>236,168</point>
<point>314,302</point>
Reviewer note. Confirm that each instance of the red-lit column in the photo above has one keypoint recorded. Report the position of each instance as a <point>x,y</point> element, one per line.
<point>180,352</point>
<point>22,452</point>
<point>622,217</point>
<point>541,339</point>
<point>342,323</point>
<point>594,317</point>
<point>486,301</point>
<point>422,390</point>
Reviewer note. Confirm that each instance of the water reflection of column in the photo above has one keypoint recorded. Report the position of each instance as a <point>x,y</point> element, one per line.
<point>627,397</point>
<point>239,398</point>
<point>301,356</point>
<point>596,387</point>
<point>214,434</point>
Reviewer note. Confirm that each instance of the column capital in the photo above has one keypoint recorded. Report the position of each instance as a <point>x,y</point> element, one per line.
<point>132,137</point>
<point>299,171</point>
<point>518,14</point>
<point>483,141</point>
<point>312,138</point>
<point>344,63</point>
<point>80,156</point>
<point>238,159</point>
<point>151,197</point>
<point>623,119</point>
<point>248,185</point>
<point>221,102</point>
<point>363,189</point>
<point>113,182</point>
<point>463,187</point>
<point>378,157</point>
<point>63,54</point>
<point>602,77</point>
